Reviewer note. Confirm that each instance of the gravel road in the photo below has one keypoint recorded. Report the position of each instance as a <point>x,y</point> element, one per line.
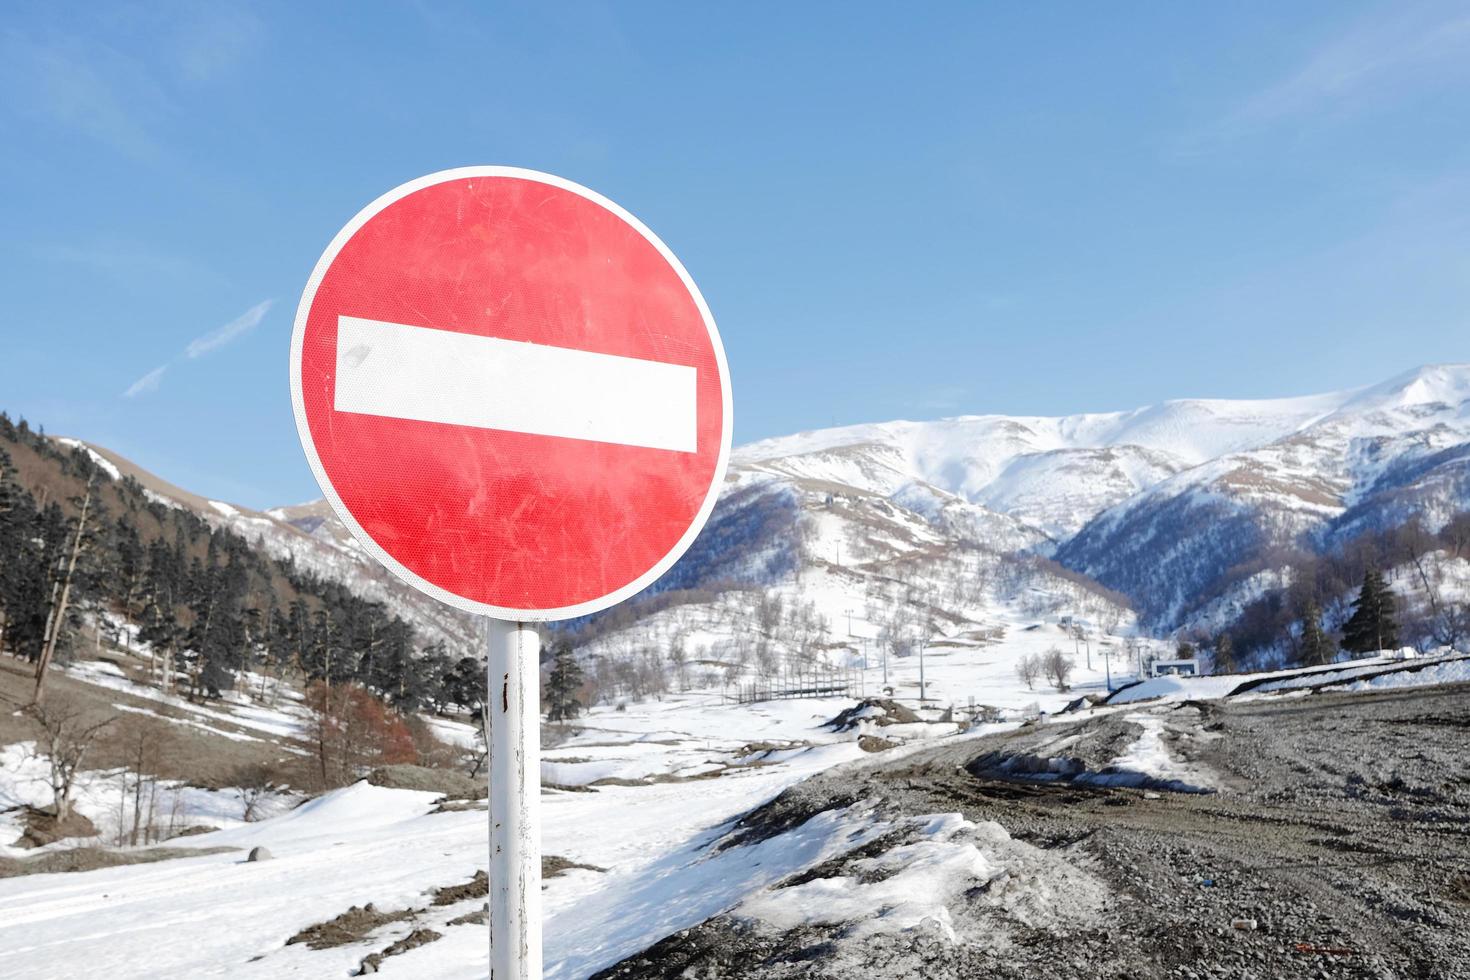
<point>1339,839</point>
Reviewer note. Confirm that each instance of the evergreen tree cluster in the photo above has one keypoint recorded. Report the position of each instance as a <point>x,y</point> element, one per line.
<point>1295,617</point>
<point>209,605</point>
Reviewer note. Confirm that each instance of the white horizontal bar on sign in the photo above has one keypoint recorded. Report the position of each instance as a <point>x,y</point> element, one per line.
<point>429,375</point>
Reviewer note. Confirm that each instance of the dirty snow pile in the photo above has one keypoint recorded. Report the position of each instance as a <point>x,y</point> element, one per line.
<point>1150,761</point>
<point>1386,669</point>
<point>950,877</point>
<point>1372,673</point>
<point>1152,748</point>
<point>1445,672</point>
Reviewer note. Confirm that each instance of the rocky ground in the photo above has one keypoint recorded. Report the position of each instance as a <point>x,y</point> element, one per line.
<point>1336,844</point>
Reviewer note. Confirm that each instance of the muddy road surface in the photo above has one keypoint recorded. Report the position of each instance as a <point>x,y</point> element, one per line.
<point>1318,836</point>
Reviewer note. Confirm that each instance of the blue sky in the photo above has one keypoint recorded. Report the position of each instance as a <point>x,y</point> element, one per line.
<point>894,211</point>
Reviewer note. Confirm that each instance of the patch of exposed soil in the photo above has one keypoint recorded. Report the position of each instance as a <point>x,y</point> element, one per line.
<point>479,886</point>
<point>92,858</point>
<point>872,743</point>
<point>351,926</point>
<point>42,827</point>
<point>186,753</point>
<point>878,711</point>
<point>476,887</point>
<point>553,865</point>
<point>479,917</point>
<point>453,785</point>
<point>659,778</point>
<point>415,939</point>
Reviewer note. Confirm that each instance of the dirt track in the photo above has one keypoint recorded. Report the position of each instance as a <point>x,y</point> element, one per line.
<point>1342,825</point>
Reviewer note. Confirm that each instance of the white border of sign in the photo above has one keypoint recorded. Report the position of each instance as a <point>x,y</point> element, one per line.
<point>304,431</point>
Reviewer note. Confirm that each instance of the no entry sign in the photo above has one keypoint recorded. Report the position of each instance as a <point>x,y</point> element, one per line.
<point>512,393</point>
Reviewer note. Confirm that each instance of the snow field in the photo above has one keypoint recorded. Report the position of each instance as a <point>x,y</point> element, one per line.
<point>105,798</point>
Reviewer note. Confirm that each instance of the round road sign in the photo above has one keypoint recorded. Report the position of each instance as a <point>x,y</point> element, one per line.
<point>511,392</point>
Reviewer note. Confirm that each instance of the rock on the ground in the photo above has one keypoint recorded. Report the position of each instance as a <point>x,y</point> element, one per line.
<point>454,785</point>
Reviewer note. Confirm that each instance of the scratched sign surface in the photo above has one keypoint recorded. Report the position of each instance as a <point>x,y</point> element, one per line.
<point>512,393</point>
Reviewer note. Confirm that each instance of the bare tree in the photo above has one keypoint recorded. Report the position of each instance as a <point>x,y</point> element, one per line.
<point>1057,667</point>
<point>254,782</point>
<point>56,617</point>
<point>679,657</point>
<point>146,746</point>
<point>1028,670</point>
<point>65,734</point>
<point>479,756</point>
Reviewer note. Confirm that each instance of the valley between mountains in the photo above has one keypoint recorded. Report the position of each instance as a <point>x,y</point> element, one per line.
<point>894,712</point>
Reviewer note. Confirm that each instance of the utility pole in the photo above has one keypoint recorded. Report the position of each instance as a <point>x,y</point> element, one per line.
<point>922,689</point>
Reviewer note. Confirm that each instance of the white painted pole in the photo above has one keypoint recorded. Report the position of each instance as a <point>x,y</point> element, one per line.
<point>922,690</point>
<point>514,675</point>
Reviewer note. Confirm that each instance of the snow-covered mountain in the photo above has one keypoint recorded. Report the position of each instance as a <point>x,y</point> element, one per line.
<point>1167,504</point>
<point>1160,502</point>
<point>1381,456</point>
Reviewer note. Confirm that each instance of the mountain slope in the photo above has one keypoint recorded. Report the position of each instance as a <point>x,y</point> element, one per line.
<point>1166,504</point>
<point>312,537</point>
<point>1386,454</point>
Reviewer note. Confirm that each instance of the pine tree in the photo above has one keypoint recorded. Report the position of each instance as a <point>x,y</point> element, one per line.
<point>1315,647</point>
<point>563,684</point>
<point>1372,626</point>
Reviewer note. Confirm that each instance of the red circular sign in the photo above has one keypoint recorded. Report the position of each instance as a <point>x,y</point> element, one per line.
<point>512,393</point>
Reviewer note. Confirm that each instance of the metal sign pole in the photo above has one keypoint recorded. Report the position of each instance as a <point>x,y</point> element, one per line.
<point>514,734</point>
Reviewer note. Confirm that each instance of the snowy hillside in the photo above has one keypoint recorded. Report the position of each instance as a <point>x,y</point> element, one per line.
<point>1384,454</point>
<point>311,536</point>
<point>862,599</point>
<point>1177,510</point>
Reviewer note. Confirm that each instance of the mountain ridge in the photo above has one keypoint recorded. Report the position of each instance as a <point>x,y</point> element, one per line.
<point>1162,503</point>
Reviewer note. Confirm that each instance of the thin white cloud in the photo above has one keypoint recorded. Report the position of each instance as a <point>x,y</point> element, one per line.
<point>230,332</point>
<point>205,344</point>
<point>1380,55</point>
<point>148,382</point>
<point>1388,55</point>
